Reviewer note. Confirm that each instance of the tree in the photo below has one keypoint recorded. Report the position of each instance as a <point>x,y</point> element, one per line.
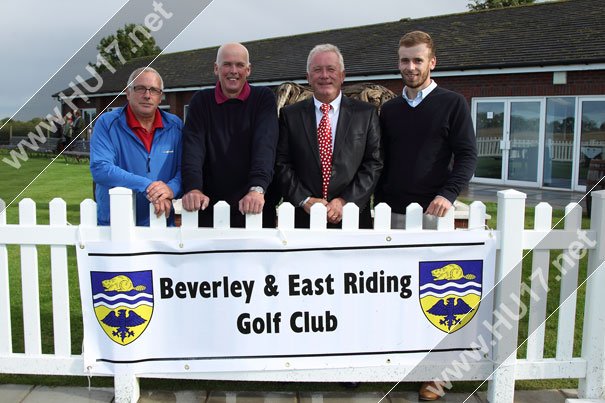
<point>488,4</point>
<point>127,43</point>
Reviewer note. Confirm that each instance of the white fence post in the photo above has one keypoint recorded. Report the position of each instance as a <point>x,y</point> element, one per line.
<point>593,341</point>
<point>511,215</point>
<point>122,210</point>
<point>6,343</point>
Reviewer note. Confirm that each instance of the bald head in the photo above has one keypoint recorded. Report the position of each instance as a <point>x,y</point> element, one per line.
<point>232,67</point>
<point>232,48</point>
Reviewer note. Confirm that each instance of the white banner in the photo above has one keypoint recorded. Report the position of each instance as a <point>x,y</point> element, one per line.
<point>319,300</point>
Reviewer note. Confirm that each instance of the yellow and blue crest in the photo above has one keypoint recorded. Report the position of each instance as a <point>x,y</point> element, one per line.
<point>450,292</point>
<point>123,303</point>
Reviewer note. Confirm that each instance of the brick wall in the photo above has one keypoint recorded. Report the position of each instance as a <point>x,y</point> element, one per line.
<point>579,83</point>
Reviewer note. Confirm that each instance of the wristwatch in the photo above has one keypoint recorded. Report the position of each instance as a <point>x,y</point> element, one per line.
<point>258,189</point>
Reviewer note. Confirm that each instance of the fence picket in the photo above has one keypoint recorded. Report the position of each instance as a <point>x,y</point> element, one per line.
<point>285,216</point>
<point>222,215</point>
<point>29,282</point>
<point>446,223</point>
<point>6,341</point>
<point>539,287</point>
<point>476,216</point>
<point>350,217</point>
<point>189,219</point>
<point>60,283</point>
<point>254,221</point>
<point>154,220</point>
<point>382,217</point>
<point>318,216</point>
<point>413,217</point>
<point>88,213</point>
<point>569,284</point>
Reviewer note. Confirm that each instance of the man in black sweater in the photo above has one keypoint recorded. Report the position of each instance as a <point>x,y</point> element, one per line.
<point>421,132</point>
<point>229,142</point>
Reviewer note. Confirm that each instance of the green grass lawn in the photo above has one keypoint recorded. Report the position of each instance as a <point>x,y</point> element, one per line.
<point>72,182</point>
<point>66,179</point>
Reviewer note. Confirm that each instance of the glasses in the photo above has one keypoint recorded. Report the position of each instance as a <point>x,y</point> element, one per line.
<point>141,89</point>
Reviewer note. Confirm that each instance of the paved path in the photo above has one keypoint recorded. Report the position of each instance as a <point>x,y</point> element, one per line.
<point>46,394</point>
<point>558,199</point>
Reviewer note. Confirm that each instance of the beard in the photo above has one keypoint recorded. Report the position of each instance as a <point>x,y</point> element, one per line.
<point>417,81</point>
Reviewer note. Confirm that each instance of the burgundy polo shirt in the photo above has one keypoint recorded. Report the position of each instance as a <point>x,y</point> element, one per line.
<point>221,98</point>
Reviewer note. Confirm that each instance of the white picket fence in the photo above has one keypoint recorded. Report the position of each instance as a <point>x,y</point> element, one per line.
<point>559,150</point>
<point>512,240</point>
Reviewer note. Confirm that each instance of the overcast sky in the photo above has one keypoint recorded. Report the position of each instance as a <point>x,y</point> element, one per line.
<point>37,38</point>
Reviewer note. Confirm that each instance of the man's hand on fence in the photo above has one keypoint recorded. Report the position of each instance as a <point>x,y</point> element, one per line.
<point>163,206</point>
<point>334,213</point>
<point>195,200</point>
<point>312,200</point>
<point>158,190</point>
<point>439,206</point>
<point>252,203</point>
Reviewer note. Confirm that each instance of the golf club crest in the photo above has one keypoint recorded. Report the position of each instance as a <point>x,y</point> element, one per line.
<point>450,292</point>
<point>123,303</point>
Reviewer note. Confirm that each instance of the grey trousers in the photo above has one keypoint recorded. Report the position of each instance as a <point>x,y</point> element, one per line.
<point>428,221</point>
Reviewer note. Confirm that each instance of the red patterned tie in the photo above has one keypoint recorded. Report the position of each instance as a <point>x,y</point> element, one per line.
<point>324,138</point>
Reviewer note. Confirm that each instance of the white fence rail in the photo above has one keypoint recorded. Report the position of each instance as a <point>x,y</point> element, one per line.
<point>32,242</point>
<point>561,151</point>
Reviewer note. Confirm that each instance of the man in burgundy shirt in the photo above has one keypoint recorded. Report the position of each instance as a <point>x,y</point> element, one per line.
<point>229,143</point>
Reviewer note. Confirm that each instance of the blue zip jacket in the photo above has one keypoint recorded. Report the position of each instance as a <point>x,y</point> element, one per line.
<point>119,158</point>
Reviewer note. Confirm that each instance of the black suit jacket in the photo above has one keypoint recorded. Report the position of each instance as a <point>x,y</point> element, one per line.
<point>356,159</point>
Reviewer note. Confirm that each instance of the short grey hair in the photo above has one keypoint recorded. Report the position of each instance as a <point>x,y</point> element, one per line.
<point>141,70</point>
<point>326,47</point>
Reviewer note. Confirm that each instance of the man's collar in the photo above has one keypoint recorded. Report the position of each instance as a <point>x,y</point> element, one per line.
<point>335,103</point>
<point>133,122</point>
<point>422,93</point>
<point>220,98</point>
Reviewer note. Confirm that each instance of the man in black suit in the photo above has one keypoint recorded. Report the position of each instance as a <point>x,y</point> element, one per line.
<point>329,145</point>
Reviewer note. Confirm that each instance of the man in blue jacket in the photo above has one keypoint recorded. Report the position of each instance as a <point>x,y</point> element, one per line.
<point>138,147</point>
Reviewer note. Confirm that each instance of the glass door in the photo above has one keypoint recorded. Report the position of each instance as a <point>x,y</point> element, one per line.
<point>489,128</point>
<point>509,140</point>
<point>559,142</point>
<point>592,137</point>
<point>525,126</point>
